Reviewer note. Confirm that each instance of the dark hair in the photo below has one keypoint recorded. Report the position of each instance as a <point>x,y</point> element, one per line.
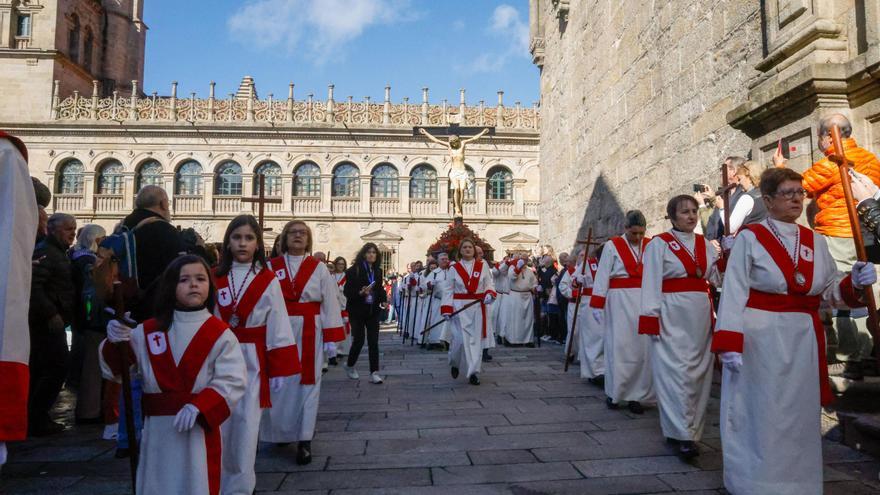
<point>597,252</point>
<point>773,177</point>
<point>340,258</point>
<point>283,243</point>
<point>166,296</point>
<point>360,258</point>
<point>635,218</point>
<point>672,205</point>
<point>227,257</point>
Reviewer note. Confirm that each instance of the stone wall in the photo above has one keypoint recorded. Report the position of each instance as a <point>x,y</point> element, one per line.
<point>634,102</point>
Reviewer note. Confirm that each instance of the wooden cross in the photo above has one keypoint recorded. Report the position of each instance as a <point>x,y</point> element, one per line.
<point>587,243</point>
<point>262,200</point>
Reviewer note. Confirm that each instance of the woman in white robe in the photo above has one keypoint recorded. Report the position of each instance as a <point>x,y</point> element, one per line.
<point>470,282</point>
<point>193,369</point>
<point>588,345</point>
<point>615,304</point>
<point>519,304</point>
<point>249,300</point>
<point>502,287</point>
<point>772,345</point>
<point>312,299</point>
<point>677,313</point>
<point>343,346</point>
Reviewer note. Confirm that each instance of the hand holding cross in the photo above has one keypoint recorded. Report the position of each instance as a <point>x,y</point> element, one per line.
<point>587,243</point>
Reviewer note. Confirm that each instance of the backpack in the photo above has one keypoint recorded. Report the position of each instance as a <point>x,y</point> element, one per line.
<point>117,261</point>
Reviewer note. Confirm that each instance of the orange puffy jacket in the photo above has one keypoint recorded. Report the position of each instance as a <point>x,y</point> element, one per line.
<point>822,182</point>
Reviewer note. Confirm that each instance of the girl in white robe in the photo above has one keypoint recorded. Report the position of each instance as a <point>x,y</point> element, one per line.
<point>343,346</point>
<point>519,305</point>
<point>588,346</point>
<point>469,281</point>
<point>249,300</point>
<point>772,345</point>
<point>193,375</point>
<point>431,304</point>
<point>502,287</point>
<point>312,299</point>
<point>677,313</point>
<point>615,303</point>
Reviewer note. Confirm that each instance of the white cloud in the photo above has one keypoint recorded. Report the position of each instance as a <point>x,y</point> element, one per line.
<point>458,25</point>
<point>320,28</point>
<point>505,23</point>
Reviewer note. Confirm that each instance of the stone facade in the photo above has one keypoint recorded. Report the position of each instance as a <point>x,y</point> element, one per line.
<point>640,100</point>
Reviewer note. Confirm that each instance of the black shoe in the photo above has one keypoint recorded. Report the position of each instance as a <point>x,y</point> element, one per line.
<point>635,407</point>
<point>598,381</point>
<point>530,345</point>
<point>333,361</point>
<point>46,428</point>
<point>304,453</point>
<point>281,445</point>
<point>122,453</point>
<point>486,356</point>
<point>671,441</point>
<point>611,404</point>
<point>454,372</point>
<point>474,379</point>
<point>688,449</point>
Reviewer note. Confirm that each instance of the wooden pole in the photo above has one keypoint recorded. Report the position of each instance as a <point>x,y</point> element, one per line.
<point>839,157</point>
<point>589,242</point>
<point>123,349</point>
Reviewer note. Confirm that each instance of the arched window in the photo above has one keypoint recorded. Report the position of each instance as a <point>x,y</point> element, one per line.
<point>70,178</point>
<point>346,182</point>
<point>110,179</point>
<point>73,39</point>
<point>88,42</point>
<point>384,182</point>
<point>272,172</point>
<point>500,184</point>
<point>189,179</point>
<point>423,182</point>
<point>307,180</point>
<point>228,179</point>
<point>149,174</point>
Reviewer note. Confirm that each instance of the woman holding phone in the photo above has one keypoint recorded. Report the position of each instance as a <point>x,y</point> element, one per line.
<point>365,300</point>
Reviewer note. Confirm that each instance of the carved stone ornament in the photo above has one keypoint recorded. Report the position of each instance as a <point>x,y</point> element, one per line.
<point>91,153</point>
<point>169,154</point>
<point>51,152</point>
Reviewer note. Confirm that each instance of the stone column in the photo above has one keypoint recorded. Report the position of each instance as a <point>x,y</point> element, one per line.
<point>365,195</point>
<point>128,192</point>
<point>443,195</point>
<point>519,206</point>
<point>326,190</point>
<point>7,26</point>
<point>481,195</point>
<point>404,195</point>
<point>208,192</point>
<point>286,192</point>
<point>89,193</point>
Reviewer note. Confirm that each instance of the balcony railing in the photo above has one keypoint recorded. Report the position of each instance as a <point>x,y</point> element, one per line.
<point>22,42</point>
<point>65,203</point>
<point>346,206</point>
<point>306,205</point>
<point>499,208</point>
<point>385,206</point>
<point>532,209</point>
<point>109,202</point>
<point>227,204</point>
<point>424,207</point>
<point>188,204</point>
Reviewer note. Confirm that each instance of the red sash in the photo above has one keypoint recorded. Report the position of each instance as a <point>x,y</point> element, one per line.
<point>633,266</point>
<point>292,291</point>
<point>177,381</point>
<point>797,300</point>
<point>593,263</point>
<point>690,265</point>
<point>471,283</point>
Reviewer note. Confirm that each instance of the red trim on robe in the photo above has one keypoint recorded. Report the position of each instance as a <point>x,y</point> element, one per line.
<point>649,325</point>
<point>446,310</point>
<point>727,341</point>
<point>14,383</point>
<point>334,334</point>
<point>283,361</point>
<point>849,294</point>
<point>597,302</point>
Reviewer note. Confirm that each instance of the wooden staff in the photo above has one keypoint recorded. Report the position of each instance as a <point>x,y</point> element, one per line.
<point>123,349</point>
<point>725,197</point>
<point>839,157</point>
<point>589,242</point>
<point>443,320</point>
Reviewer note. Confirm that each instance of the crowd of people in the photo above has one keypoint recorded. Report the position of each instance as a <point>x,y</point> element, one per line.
<point>228,348</point>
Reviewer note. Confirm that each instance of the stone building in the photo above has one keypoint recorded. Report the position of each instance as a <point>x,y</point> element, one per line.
<point>352,169</point>
<point>640,100</point>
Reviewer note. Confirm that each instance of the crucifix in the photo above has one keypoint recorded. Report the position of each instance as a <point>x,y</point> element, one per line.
<point>458,176</point>
<point>262,200</point>
<point>586,243</point>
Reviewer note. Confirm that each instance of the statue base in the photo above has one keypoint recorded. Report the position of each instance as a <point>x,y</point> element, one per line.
<point>450,239</point>
<point>457,221</point>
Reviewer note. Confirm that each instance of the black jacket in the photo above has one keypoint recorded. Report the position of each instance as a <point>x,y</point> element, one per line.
<point>52,290</point>
<point>356,278</point>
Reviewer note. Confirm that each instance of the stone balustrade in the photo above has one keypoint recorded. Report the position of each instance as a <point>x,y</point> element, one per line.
<point>384,206</point>
<point>188,204</point>
<point>69,202</point>
<point>109,202</point>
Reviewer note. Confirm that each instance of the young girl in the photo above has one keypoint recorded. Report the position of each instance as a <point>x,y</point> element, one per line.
<point>193,371</point>
<point>677,313</point>
<point>469,281</point>
<point>249,299</point>
<point>342,348</point>
<point>312,299</point>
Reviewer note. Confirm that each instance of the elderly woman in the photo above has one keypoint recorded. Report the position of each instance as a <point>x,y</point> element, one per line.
<point>772,345</point>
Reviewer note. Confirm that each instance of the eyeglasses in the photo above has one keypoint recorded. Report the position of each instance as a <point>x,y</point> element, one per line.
<point>298,232</point>
<point>791,193</point>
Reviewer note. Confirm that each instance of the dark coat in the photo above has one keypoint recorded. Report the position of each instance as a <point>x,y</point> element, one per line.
<point>52,290</point>
<point>356,278</point>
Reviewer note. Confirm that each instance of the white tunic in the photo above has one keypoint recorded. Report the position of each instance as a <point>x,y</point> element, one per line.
<point>502,287</point>
<point>770,407</point>
<point>421,299</point>
<point>432,306</point>
<point>676,306</point>
<point>409,296</point>
<point>519,305</point>
<point>295,408</point>
<point>18,229</point>
<point>627,354</point>
<point>343,346</point>
<point>589,337</point>
<point>467,327</point>
<point>188,462</point>
<point>241,432</point>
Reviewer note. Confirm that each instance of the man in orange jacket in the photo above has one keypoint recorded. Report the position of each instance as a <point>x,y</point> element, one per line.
<point>822,183</point>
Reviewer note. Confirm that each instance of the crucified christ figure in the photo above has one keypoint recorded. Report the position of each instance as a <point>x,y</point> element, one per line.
<point>458,176</point>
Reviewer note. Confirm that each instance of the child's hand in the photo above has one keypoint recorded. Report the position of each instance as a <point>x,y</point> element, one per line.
<point>186,418</point>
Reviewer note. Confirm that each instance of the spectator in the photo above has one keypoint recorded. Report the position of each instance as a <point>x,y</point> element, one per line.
<point>51,310</point>
<point>750,207</point>
<point>365,299</point>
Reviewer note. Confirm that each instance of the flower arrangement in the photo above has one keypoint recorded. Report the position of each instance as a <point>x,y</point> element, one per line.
<point>449,241</point>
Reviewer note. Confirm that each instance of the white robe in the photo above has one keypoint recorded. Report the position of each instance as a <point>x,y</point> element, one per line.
<point>589,344</point>
<point>343,346</point>
<point>466,348</point>
<point>432,303</point>
<point>442,332</point>
<point>409,297</point>
<point>18,229</point>
<point>173,462</point>
<point>294,409</point>
<point>502,287</point>
<point>421,299</point>
<point>241,432</point>
<point>770,408</point>
<point>681,358</point>
<point>627,354</point>
<point>519,306</point>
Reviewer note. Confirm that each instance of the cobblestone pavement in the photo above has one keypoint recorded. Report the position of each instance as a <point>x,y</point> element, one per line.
<point>528,429</point>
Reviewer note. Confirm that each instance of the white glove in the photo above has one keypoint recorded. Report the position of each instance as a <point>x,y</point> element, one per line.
<point>538,288</point>
<point>554,278</point>
<point>447,317</point>
<point>489,299</point>
<point>2,453</point>
<point>520,264</point>
<point>186,418</point>
<point>655,338</point>
<point>275,383</point>
<point>118,332</point>
<point>579,278</point>
<point>732,360</point>
<point>727,242</point>
<point>863,274</point>
<point>598,316</point>
<point>330,349</point>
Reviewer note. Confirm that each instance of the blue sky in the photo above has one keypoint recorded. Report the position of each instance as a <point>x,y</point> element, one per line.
<point>358,45</point>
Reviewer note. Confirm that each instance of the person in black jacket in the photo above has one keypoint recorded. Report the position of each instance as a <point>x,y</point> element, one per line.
<point>52,309</point>
<point>365,300</point>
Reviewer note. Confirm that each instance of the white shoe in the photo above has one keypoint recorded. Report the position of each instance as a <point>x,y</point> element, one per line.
<point>375,378</point>
<point>351,372</point>
<point>111,431</point>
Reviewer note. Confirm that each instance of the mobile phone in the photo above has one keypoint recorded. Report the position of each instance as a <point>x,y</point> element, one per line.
<point>784,147</point>
<point>700,188</point>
